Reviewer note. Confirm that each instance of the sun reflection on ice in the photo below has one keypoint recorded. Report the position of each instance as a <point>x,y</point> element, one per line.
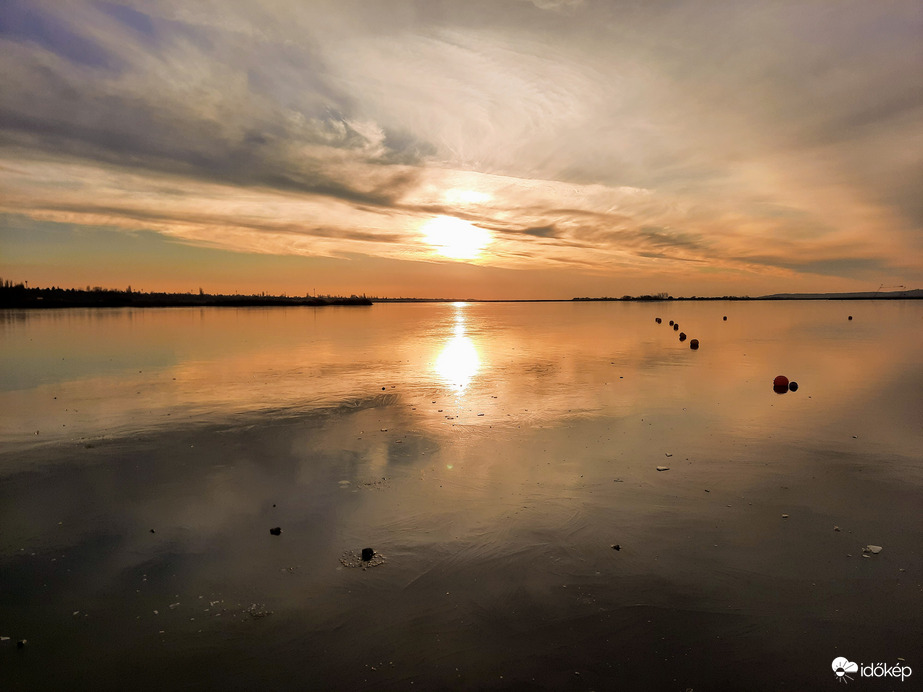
<point>458,362</point>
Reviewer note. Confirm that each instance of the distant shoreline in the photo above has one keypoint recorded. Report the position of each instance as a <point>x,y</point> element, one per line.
<point>20,296</point>
<point>893,295</point>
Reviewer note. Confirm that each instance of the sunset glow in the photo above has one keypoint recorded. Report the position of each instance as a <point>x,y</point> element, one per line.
<point>549,149</point>
<point>454,238</point>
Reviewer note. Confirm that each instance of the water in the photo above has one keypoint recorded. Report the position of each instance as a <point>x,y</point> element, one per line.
<point>491,454</point>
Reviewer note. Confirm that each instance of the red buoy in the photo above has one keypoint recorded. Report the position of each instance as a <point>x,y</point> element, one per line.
<point>780,381</point>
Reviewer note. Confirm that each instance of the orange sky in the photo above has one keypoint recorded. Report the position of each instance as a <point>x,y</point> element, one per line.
<point>503,149</point>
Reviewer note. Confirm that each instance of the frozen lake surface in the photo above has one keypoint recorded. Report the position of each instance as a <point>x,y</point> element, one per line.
<point>491,455</point>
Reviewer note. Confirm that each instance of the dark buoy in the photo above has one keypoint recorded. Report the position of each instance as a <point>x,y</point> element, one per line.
<point>793,386</point>
<point>671,323</point>
<point>725,318</point>
<point>694,344</point>
<point>367,554</point>
<point>850,317</point>
<point>276,531</point>
<point>675,327</point>
<point>780,384</point>
<point>658,320</point>
<point>682,336</point>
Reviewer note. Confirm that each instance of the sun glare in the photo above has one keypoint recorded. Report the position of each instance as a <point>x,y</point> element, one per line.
<point>454,238</point>
<point>458,362</point>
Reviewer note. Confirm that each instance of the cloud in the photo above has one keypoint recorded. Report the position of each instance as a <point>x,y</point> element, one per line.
<point>548,231</point>
<point>661,237</point>
<point>557,5</point>
<point>865,268</point>
<point>749,138</point>
<point>176,109</point>
<point>25,23</point>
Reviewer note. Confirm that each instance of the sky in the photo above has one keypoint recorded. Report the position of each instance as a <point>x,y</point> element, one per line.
<point>495,149</point>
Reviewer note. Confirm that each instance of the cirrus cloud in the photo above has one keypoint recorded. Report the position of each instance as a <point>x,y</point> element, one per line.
<point>751,140</point>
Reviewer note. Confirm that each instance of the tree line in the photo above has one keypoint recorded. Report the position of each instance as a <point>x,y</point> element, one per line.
<point>21,295</point>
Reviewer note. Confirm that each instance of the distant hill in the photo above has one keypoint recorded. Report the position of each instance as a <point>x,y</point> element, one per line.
<point>861,295</point>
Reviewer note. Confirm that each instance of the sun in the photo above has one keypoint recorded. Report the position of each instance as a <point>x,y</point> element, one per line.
<point>454,238</point>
